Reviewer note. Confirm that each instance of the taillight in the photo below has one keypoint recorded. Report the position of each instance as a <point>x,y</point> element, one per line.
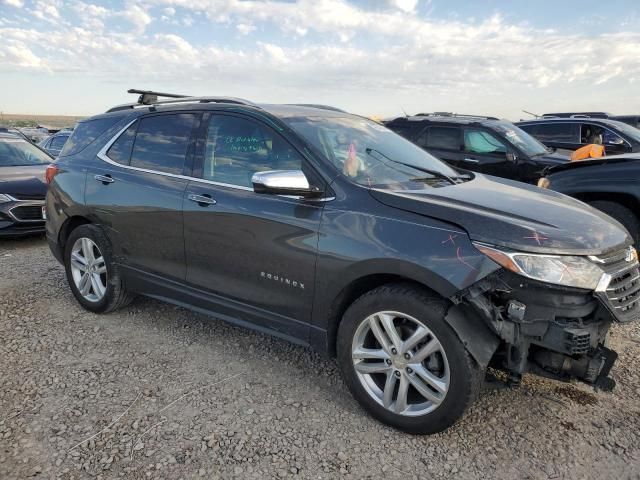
<point>51,172</point>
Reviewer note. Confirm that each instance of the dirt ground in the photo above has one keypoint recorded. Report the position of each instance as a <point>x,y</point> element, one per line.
<point>156,391</point>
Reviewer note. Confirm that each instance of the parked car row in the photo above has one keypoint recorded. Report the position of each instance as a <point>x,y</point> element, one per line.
<point>330,230</point>
<point>22,185</point>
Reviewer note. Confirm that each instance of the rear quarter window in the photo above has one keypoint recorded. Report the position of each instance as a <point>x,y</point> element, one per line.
<point>85,133</point>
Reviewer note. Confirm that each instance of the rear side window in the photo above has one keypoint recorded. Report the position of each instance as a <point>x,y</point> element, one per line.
<point>447,138</point>
<point>162,142</point>
<point>85,133</point>
<point>58,142</point>
<point>120,151</point>
<point>555,132</point>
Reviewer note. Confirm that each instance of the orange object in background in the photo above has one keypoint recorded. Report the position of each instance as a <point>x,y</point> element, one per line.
<point>592,150</point>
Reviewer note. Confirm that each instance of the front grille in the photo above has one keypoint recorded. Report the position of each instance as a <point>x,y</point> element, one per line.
<point>623,292</point>
<point>28,213</point>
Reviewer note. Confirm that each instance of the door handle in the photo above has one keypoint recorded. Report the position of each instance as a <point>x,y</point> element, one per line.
<point>202,200</point>
<point>104,178</point>
<point>472,160</point>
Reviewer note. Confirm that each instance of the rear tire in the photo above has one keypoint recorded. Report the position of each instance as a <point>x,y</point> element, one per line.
<point>405,312</point>
<point>93,276</point>
<point>623,215</point>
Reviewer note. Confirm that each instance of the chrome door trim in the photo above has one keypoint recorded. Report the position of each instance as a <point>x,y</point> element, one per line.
<point>102,155</point>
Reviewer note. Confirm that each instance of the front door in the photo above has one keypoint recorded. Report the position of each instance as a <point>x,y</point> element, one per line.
<point>486,153</point>
<point>256,252</point>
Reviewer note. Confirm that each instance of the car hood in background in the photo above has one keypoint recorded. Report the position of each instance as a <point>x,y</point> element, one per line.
<point>515,215</point>
<point>589,162</point>
<point>553,158</point>
<point>27,181</point>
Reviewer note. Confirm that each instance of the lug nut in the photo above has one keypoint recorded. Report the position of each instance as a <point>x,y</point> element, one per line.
<point>394,351</point>
<point>409,370</point>
<point>388,361</point>
<point>407,356</point>
<point>397,373</point>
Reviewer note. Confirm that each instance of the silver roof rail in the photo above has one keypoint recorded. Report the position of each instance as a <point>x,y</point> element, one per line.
<point>316,105</point>
<point>149,98</point>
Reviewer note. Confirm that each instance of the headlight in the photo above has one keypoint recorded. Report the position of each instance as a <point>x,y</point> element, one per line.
<point>544,182</point>
<point>5,198</point>
<point>569,271</point>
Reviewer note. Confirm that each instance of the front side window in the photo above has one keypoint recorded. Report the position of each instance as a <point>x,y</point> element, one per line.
<point>370,154</point>
<point>479,141</point>
<point>236,148</point>
<point>15,151</point>
<point>447,138</point>
<point>162,142</point>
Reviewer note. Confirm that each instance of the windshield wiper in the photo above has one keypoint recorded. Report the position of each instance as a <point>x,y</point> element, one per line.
<point>435,173</point>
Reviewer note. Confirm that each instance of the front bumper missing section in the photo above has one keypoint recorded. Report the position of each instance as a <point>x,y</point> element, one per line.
<point>552,331</point>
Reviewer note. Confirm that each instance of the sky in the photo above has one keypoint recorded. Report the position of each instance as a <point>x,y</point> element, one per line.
<point>375,57</point>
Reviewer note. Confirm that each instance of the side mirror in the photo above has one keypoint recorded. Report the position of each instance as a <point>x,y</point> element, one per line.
<point>284,182</point>
<point>511,157</point>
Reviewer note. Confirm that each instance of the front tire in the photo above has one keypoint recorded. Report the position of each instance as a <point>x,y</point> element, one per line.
<point>93,276</point>
<point>403,362</point>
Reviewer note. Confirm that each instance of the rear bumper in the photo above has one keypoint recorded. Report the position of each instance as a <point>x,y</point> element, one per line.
<point>55,248</point>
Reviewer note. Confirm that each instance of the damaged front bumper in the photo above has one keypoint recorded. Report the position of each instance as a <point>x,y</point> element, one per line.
<point>550,330</point>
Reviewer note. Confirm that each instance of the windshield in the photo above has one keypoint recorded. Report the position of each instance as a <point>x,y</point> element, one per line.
<point>521,139</point>
<point>15,152</point>
<point>625,128</point>
<point>371,154</point>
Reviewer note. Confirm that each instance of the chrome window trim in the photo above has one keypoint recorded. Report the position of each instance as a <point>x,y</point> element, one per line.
<point>102,155</point>
<point>578,121</point>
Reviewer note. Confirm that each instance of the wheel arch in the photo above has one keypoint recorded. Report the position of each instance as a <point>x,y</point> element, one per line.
<point>354,290</point>
<point>69,225</point>
<point>625,199</point>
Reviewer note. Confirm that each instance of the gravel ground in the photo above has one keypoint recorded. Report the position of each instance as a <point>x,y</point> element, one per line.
<point>156,391</point>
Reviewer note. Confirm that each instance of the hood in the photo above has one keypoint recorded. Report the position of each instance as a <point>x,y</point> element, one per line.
<point>593,161</point>
<point>26,181</point>
<point>553,158</point>
<point>515,215</point>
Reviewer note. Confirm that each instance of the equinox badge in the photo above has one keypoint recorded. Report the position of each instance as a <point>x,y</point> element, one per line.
<point>281,279</point>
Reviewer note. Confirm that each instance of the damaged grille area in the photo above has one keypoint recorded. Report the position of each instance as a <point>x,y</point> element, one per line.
<point>623,291</point>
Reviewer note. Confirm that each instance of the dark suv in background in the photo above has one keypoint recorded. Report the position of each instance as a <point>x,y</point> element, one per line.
<point>569,134</point>
<point>481,144</point>
<point>332,231</point>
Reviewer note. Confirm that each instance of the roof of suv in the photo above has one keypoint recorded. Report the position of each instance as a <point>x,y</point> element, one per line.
<point>447,118</point>
<point>603,121</point>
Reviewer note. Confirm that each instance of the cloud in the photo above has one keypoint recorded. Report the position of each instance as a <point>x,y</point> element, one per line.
<point>405,5</point>
<point>137,17</point>
<point>14,3</point>
<point>318,47</point>
<point>245,28</point>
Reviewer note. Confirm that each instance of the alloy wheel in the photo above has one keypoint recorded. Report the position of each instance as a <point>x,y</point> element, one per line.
<point>88,269</point>
<point>400,363</point>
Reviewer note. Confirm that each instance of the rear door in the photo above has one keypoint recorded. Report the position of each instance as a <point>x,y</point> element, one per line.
<point>137,191</point>
<point>445,143</point>
<point>257,252</point>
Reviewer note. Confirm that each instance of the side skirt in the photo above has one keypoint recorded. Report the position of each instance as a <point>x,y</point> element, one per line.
<point>231,311</point>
